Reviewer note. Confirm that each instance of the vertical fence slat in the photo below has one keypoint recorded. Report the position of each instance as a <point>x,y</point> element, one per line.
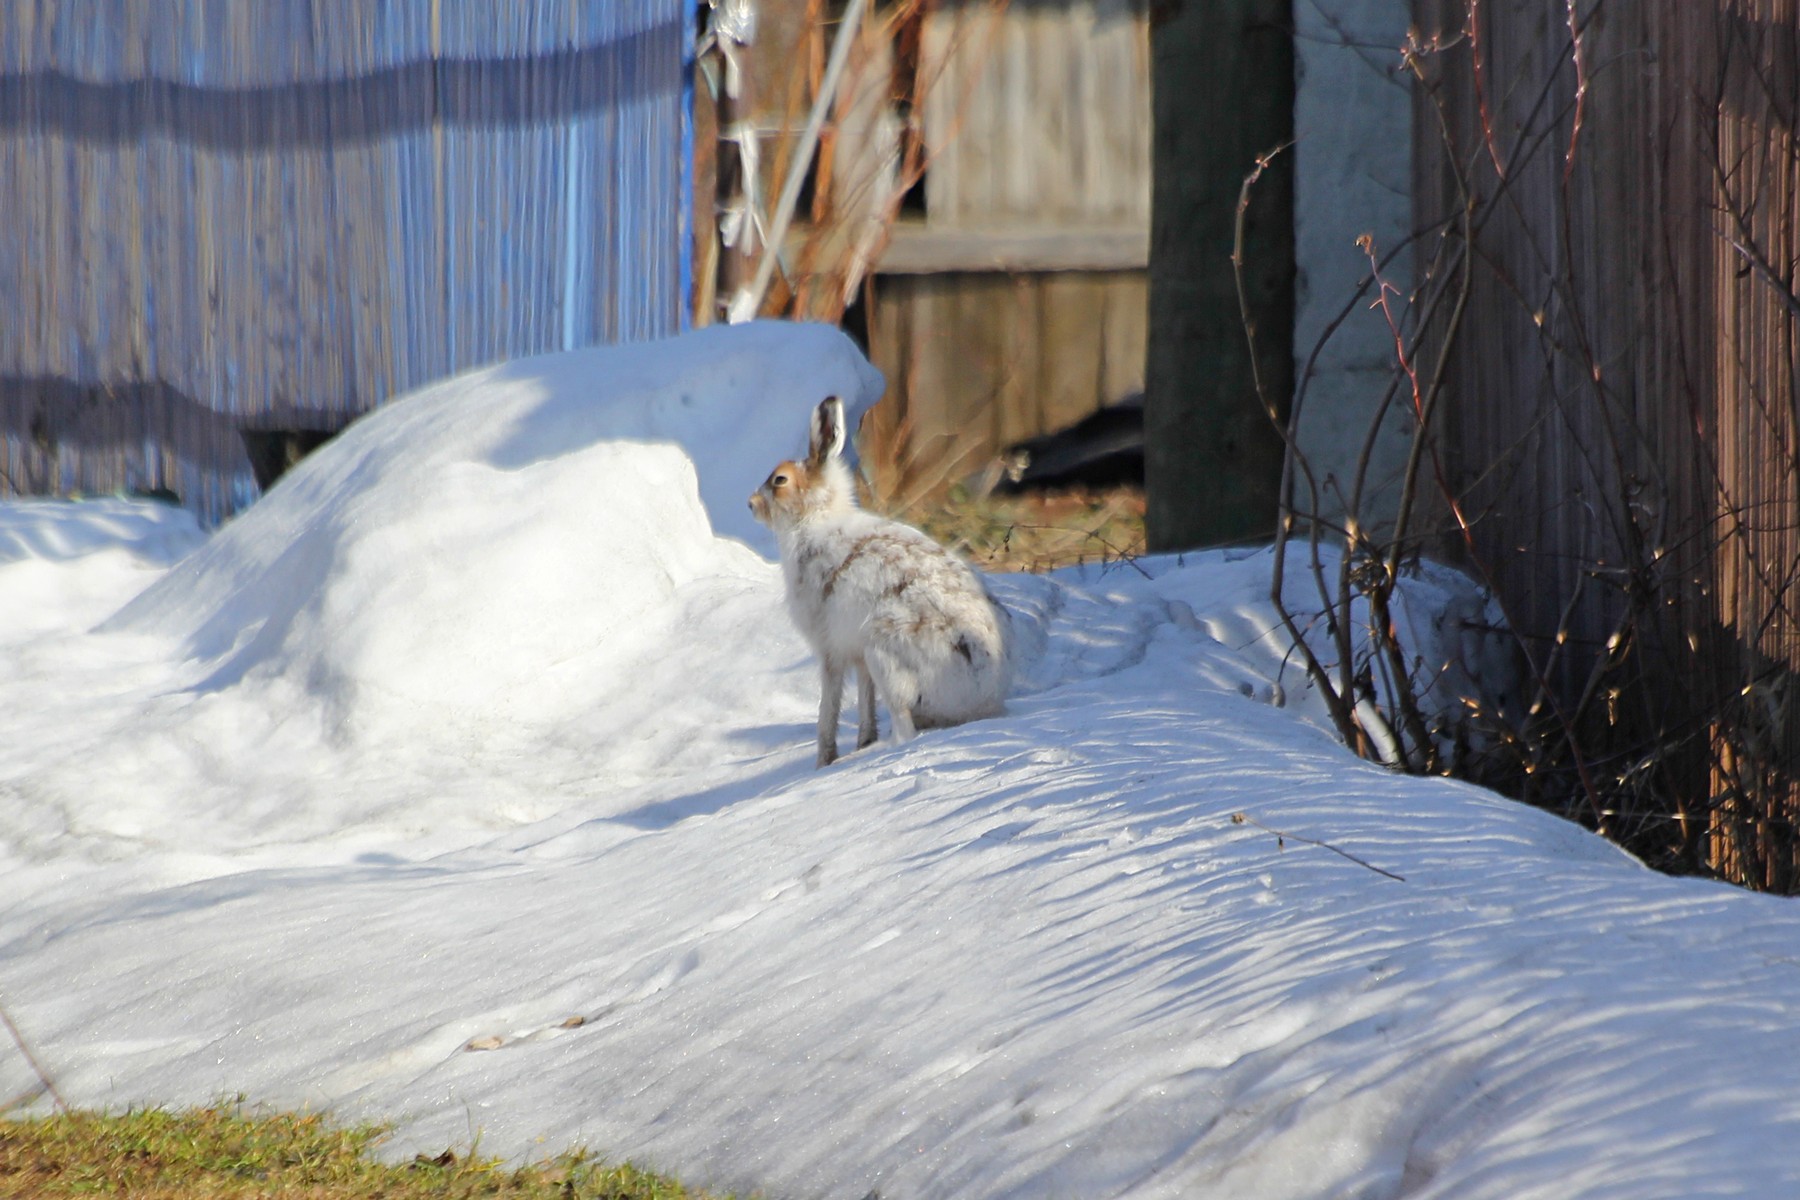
<point>1625,408</point>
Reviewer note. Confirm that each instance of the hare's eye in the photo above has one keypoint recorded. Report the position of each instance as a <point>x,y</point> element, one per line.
<point>779,480</point>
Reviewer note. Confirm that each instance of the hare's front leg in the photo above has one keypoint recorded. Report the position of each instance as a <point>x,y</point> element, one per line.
<point>865,706</point>
<point>831,698</point>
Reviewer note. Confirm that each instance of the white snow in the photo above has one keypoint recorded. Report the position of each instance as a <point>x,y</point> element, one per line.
<point>474,727</point>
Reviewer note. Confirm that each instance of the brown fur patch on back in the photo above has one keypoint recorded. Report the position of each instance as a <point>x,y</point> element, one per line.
<point>868,543</point>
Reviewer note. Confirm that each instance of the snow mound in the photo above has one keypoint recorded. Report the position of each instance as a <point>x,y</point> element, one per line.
<point>449,551</point>
<point>556,869</point>
<point>67,564</point>
<point>61,531</point>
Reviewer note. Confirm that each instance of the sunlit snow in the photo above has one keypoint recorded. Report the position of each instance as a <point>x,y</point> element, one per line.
<point>465,782</point>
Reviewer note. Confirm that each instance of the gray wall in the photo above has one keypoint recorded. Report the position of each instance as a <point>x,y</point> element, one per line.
<point>1353,149</point>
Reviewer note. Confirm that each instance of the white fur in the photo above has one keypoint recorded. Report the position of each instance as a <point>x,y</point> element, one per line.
<point>914,620</point>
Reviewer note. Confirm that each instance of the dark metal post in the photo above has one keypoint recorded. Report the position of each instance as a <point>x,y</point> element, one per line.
<point>1222,95</point>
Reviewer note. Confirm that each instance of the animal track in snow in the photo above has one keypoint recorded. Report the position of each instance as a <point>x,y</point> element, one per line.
<point>661,979</point>
<point>495,1041</point>
<point>668,975</point>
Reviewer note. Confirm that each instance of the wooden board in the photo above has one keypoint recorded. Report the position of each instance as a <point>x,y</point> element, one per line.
<point>1039,112</point>
<point>1621,401</point>
<point>922,249</point>
<point>978,360</point>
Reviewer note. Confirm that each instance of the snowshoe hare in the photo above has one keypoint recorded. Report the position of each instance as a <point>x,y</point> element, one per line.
<point>913,619</point>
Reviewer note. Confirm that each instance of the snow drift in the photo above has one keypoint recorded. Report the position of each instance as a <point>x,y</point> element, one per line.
<point>573,474</point>
<point>465,782</point>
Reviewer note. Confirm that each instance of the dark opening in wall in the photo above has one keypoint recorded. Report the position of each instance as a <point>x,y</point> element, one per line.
<point>855,321</point>
<point>806,205</point>
<point>909,49</point>
<point>274,452</point>
<point>912,151</point>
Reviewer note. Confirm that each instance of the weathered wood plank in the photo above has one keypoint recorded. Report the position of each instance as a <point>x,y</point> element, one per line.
<point>1072,355</point>
<point>923,249</point>
<point>1042,113</point>
<point>1625,438</point>
<point>975,361</point>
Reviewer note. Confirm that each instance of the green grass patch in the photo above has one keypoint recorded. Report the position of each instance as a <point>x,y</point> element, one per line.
<point>219,1153</point>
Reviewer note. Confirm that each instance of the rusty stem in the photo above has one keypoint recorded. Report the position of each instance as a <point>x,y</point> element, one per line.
<point>1472,30</point>
<point>44,1078</point>
<point>1342,716</point>
<point>1380,592</point>
<point>1576,29</point>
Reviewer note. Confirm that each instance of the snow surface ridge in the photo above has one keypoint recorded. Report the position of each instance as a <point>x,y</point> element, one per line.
<point>1032,956</point>
<point>62,530</point>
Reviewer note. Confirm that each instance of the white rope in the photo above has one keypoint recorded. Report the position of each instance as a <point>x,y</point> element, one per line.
<point>744,304</point>
<point>731,26</point>
<point>744,218</point>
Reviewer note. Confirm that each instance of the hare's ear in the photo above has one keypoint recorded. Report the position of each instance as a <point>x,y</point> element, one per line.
<point>827,431</point>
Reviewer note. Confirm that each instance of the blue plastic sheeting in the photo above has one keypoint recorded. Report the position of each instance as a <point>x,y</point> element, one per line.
<point>274,216</point>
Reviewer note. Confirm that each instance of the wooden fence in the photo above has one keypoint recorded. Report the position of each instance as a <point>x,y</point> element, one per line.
<point>1621,390</point>
<point>222,216</point>
<point>1016,301</point>
<point>989,162</point>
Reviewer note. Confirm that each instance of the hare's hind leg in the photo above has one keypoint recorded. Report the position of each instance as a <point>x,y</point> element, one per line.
<point>898,685</point>
<point>831,699</point>
<point>866,732</point>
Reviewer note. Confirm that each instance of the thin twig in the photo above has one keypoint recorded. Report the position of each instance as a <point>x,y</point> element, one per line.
<point>1576,29</point>
<point>1282,838</point>
<point>1124,556</point>
<point>31,1059</point>
<point>1472,31</point>
<point>1342,714</point>
<point>1760,264</point>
